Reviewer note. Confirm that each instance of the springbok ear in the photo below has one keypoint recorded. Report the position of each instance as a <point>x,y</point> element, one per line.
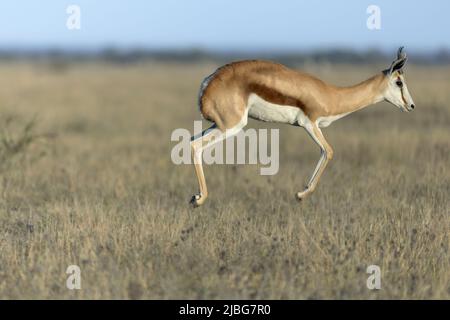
<point>398,64</point>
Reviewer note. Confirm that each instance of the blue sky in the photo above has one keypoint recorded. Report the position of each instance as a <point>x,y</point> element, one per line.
<point>225,25</point>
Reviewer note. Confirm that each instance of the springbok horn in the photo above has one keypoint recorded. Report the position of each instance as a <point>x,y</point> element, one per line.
<point>400,53</point>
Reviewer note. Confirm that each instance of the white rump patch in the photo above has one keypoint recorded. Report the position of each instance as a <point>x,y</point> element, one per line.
<point>204,85</point>
<point>261,109</point>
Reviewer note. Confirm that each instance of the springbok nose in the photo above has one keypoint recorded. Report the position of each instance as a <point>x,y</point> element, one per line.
<point>413,106</point>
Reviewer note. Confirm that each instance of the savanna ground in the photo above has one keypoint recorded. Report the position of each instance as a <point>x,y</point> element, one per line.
<point>87,179</point>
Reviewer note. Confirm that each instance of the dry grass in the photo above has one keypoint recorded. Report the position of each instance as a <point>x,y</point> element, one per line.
<point>92,184</point>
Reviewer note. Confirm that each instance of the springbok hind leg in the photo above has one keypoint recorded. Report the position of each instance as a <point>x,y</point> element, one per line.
<point>203,141</point>
<point>198,144</point>
<point>326,154</point>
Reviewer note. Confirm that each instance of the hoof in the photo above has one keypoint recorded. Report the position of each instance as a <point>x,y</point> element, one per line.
<point>302,195</point>
<point>197,200</point>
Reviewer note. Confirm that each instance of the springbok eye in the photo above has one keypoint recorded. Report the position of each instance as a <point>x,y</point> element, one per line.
<point>399,83</point>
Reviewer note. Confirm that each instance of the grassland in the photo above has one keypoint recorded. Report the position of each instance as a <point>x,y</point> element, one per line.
<point>86,178</point>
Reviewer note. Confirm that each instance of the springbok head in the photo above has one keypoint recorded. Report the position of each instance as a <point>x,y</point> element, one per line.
<point>396,91</point>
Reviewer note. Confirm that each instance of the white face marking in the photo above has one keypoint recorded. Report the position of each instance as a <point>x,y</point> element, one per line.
<point>261,109</point>
<point>398,95</point>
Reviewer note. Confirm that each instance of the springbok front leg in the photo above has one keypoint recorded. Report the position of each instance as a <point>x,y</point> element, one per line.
<point>326,154</point>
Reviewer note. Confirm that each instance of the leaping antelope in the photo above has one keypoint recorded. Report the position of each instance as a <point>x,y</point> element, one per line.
<point>269,91</point>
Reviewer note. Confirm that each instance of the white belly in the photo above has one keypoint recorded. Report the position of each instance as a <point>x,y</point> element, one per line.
<point>261,109</point>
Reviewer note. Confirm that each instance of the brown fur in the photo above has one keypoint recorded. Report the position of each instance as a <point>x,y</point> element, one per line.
<point>225,98</point>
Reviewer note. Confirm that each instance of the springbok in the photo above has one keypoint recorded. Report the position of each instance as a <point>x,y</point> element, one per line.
<point>269,91</point>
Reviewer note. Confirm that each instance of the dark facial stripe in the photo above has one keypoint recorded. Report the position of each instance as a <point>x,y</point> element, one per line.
<point>401,91</point>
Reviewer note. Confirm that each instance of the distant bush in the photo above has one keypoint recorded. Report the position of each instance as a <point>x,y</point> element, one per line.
<point>15,137</point>
<point>123,56</point>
